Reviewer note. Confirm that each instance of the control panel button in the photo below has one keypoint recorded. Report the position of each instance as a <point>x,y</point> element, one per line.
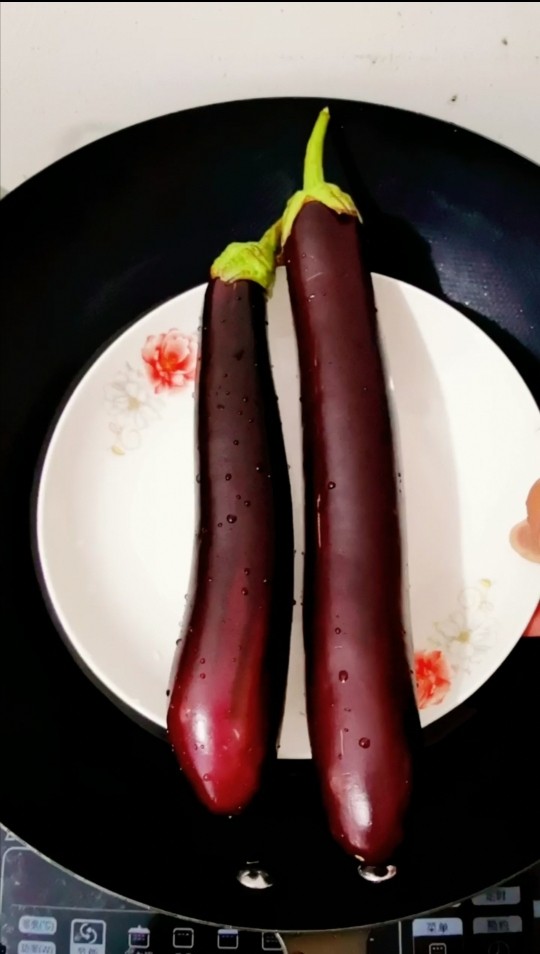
<point>183,938</point>
<point>499,896</point>
<point>512,924</point>
<point>227,939</point>
<point>36,947</point>
<point>87,936</point>
<point>437,927</point>
<point>30,924</point>
<point>271,942</point>
<point>139,938</point>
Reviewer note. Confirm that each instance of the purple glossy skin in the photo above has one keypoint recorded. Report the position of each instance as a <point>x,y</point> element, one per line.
<point>360,694</point>
<point>228,691</point>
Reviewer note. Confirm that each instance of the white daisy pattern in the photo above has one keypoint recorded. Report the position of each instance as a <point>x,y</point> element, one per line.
<point>131,406</point>
<point>467,633</point>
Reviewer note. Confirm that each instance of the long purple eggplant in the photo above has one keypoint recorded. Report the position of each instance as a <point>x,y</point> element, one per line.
<point>228,691</point>
<point>361,704</point>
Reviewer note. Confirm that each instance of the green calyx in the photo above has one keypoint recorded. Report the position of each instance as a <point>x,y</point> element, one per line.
<point>315,188</point>
<point>250,261</point>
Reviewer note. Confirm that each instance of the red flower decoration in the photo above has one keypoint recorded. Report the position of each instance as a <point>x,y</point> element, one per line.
<point>432,678</point>
<point>533,629</point>
<point>170,359</point>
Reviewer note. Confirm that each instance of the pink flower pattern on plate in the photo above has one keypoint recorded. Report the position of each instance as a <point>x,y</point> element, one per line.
<point>433,679</point>
<point>170,359</point>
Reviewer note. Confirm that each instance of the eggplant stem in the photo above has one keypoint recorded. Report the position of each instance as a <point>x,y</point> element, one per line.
<point>315,188</point>
<point>251,261</point>
<point>269,242</point>
<point>313,162</point>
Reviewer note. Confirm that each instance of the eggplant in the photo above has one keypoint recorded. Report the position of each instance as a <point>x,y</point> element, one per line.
<point>228,687</point>
<point>361,706</point>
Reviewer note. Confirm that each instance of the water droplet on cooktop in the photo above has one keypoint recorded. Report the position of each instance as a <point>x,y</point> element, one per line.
<point>255,878</point>
<point>377,873</point>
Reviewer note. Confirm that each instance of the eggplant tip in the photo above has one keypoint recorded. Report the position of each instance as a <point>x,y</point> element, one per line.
<point>377,873</point>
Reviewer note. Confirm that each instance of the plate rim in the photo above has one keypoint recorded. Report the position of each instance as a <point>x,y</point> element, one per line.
<point>318,102</point>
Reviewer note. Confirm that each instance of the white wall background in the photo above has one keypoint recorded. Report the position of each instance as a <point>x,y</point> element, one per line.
<point>72,72</point>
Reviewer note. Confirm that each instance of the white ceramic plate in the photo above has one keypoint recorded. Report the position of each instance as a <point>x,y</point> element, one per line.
<point>116,500</point>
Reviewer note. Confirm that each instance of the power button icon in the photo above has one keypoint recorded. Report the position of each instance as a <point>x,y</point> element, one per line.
<point>498,947</point>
